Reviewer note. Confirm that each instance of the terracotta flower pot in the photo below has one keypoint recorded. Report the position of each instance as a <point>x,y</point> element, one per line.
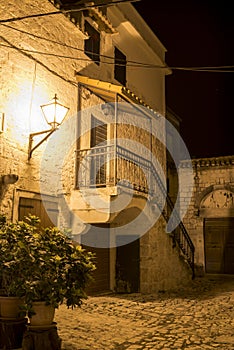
<point>44,314</point>
<point>10,306</point>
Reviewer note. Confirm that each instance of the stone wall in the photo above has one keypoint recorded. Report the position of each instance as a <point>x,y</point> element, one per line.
<point>28,80</point>
<point>162,266</point>
<point>209,174</point>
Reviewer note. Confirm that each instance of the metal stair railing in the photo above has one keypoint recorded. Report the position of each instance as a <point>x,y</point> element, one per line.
<point>180,234</point>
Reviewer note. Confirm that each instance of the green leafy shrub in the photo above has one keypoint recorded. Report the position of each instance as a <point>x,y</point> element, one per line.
<point>42,264</point>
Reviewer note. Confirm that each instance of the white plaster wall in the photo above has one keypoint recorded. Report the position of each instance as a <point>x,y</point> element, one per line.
<point>147,83</point>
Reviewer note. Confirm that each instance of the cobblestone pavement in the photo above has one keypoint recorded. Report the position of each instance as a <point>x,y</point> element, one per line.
<point>198,318</point>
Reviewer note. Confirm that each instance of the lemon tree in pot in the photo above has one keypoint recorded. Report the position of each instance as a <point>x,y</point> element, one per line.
<point>49,268</point>
<point>60,272</point>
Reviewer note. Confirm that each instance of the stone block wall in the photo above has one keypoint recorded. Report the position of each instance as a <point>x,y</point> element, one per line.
<point>31,73</point>
<point>209,174</point>
<point>162,266</point>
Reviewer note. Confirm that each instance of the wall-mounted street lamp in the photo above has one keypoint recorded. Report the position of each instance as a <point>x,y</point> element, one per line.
<point>54,113</point>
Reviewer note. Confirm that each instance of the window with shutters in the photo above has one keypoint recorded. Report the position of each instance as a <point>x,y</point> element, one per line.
<point>120,66</point>
<point>98,148</point>
<point>46,210</point>
<point>92,44</point>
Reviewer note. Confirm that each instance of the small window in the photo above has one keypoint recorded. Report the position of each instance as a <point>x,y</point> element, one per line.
<point>92,45</point>
<point>99,154</point>
<point>120,66</point>
<point>98,132</point>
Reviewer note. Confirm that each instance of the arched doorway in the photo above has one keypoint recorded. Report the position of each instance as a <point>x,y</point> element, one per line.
<point>217,209</point>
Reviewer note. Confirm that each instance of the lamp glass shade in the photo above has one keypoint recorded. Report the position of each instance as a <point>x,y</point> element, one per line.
<point>54,112</point>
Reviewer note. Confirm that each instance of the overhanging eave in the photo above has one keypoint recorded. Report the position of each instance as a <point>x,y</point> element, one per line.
<point>108,91</point>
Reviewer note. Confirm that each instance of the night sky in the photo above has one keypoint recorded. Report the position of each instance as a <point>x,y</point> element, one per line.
<point>197,33</point>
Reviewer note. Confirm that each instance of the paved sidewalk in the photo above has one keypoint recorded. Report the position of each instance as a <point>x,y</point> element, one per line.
<point>198,318</point>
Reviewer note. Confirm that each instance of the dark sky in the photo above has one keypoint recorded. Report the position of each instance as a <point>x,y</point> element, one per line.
<point>198,33</point>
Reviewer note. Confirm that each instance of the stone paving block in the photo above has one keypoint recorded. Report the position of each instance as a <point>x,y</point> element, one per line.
<point>110,322</point>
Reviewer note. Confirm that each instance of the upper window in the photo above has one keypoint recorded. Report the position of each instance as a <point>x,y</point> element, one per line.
<point>98,132</point>
<point>99,157</point>
<point>120,66</point>
<point>92,45</point>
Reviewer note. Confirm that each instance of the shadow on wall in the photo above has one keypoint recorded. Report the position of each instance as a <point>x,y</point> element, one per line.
<point>6,180</point>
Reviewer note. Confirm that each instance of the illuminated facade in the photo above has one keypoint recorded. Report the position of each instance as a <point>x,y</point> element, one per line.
<point>90,59</point>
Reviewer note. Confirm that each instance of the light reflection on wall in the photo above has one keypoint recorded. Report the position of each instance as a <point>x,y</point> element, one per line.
<point>23,112</point>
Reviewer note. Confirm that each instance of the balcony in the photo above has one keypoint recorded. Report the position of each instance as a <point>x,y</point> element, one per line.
<point>112,165</point>
<point>105,172</point>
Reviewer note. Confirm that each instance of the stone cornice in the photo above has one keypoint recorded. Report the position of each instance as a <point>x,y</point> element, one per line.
<point>209,162</point>
<point>94,12</point>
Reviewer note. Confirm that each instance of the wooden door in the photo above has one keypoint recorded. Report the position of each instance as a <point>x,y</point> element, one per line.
<point>97,236</point>
<point>219,245</point>
<point>35,207</point>
<point>229,248</point>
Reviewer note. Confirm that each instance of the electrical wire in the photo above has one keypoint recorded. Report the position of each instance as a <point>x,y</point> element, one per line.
<point>86,7</point>
<point>218,69</point>
<point>50,54</point>
<point>68,46</point>
<point>12,46</point>
<point>130,63</point>
<point>206,69</point>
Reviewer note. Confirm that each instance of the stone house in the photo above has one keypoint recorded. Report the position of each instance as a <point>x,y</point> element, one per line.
<point>210,216</point>
<point>101,173</point>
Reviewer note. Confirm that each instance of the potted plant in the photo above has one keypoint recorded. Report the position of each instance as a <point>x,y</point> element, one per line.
<point>51,269</point>
<point>11,269</point>
<point>60,274</point>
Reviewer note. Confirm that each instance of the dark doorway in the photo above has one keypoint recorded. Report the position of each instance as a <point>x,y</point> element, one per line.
<point>127,265</point>
<point>219,245</point>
